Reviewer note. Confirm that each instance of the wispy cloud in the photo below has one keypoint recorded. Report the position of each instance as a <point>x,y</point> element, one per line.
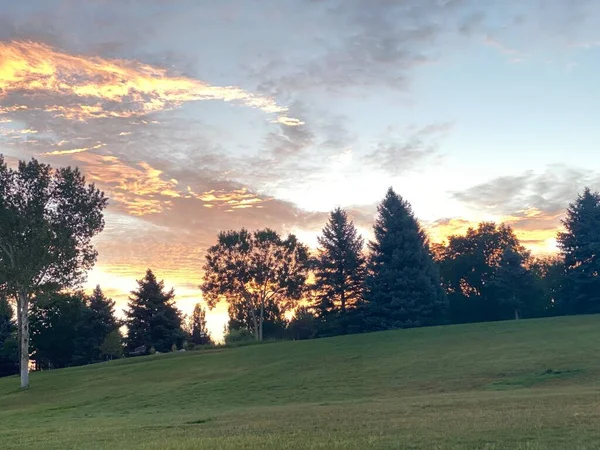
<point>94,87</point>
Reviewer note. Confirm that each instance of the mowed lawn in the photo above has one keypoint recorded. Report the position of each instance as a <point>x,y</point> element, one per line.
<point>531,384</point>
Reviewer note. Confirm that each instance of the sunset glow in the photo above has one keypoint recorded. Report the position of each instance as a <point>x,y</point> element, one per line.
<point>204,120</point>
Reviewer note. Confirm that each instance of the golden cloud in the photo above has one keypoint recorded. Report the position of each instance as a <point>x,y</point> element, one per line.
<point>29,67</point>
<point>535,229</point>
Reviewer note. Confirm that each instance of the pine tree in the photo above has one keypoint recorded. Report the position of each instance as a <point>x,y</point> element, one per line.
<point>198,330</point>
<point>101,320</point>
<point>340,268</point>
<point>580,247</point>
<point>402,286</point>
<point>153,320</point>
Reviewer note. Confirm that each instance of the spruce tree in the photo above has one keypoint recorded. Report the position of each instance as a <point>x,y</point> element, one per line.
<point>153,320</point>
<point>580,247</point>
<point>101,320</point>
<point>339,269</point>
<point>402,286</point>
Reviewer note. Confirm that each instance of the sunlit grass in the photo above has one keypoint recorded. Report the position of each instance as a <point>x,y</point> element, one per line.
<point>527,384</point>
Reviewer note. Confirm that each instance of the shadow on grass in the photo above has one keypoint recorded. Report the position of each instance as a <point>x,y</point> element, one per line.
<point>531,380</point>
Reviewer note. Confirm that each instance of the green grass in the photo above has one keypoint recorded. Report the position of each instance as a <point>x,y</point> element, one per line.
<point>531,384</point>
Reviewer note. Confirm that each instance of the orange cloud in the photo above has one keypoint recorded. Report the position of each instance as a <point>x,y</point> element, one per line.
<point>96,82</point>
<point>74,150</point>
<point>535,229</point>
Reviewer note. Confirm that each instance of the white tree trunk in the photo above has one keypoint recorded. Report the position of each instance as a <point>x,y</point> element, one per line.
<point>23,326</point>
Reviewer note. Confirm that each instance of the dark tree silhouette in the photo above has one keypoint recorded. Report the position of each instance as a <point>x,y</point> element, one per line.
<point>198,331</point>
<point>254,270</point>
<point>152,318</point>
<point>513,284</point>
<point>402,286</point>
<point>580,247</point>
<point>9,352</point>
<point>339,269</point>
<point>48,220</point>
<point>469,263</point>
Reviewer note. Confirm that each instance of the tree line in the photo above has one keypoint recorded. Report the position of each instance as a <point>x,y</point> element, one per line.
<point>274,286</point>
<point>399,279</point>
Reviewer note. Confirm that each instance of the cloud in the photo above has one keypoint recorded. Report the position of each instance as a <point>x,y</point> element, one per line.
<point>400,154</point>
<point>95,87</point>
<point>533,203</point>
<point>549,191</point>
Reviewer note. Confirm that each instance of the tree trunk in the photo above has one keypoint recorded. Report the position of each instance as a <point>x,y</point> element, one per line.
<point>261,319</point>
<point>343,308</point>
<point>255,322</point>
<point>23,326</point>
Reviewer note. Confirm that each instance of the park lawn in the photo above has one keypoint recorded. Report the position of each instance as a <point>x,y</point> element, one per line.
<point>529,384</point>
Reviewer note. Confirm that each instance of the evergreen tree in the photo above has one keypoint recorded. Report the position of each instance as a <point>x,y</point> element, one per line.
<point>513,283</point>
<point>402,286</point>
<point>9,352</point>
<point>101,320</point>
<point>153,320</point>
<point>198,330</point>
<point>580,247</point>
<point>339,269</point>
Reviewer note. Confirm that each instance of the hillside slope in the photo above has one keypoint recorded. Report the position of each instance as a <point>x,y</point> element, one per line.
<point>527,384</point>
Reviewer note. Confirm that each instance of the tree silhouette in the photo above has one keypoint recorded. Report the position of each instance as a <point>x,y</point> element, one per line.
<point>152,318</point>
<point>339,269</point>
<point>580,247</point>
<point>402,286</point>
<point>252,270</point>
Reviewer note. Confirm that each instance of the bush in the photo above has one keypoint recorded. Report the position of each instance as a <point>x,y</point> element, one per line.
<point>240,336</point>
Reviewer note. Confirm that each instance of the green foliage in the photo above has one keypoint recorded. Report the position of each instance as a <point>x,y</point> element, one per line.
<point>9,351</point>
<point>102,320</point>
<point>48,221</point>
<point>304,324</point>
<point>402,285</point>
<point>468,267</point>
<point>513,285</point>
<point>254,272</point>
<point>339,270</point>
<point>580,248</point>
<point>59,330</point>
<point>152,318</point>
<point>273,322</point>
<point>112,346</point>
<point>239,336</point>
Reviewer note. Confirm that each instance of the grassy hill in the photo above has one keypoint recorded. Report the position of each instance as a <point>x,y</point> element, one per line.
<point>530,384</point>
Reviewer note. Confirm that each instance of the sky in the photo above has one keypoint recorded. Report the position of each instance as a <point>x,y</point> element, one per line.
<point>201,116</point>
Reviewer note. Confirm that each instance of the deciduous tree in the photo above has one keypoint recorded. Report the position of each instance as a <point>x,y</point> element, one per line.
<point>250,270</point>
<point>47,220</point>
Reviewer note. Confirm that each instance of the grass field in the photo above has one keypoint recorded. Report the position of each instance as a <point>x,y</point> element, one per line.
<point>531,384</point>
